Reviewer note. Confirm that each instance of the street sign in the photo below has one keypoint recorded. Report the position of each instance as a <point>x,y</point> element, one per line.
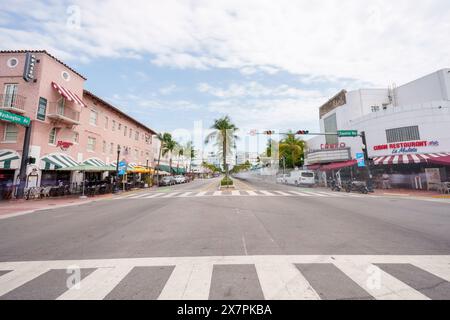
<point>122,168</point>
<point>14,118</point>
<point>348,133</point>
<point>360,159</point>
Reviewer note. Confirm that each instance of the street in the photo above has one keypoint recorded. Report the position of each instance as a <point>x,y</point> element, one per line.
<point>257,241</point>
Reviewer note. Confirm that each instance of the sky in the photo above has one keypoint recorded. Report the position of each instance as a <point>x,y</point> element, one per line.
<point>267,64</point>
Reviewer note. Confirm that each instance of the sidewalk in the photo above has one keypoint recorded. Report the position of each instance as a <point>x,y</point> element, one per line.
<point>412,193</point>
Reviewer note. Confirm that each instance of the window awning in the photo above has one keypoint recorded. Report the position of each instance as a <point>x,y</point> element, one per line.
<point>57,161</point>
<point>314,167</point>
<point>69,95</point>
<point>338,165</point>
<point>9,159</point>
<point>95,162</point>
<point>445,161</point>
<point>408,158</point>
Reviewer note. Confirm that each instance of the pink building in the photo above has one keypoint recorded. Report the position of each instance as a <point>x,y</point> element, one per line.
<point>70,125</point>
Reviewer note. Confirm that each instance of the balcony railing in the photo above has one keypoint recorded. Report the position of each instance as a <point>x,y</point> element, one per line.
<point>12,102</point>
<point>64,114</point>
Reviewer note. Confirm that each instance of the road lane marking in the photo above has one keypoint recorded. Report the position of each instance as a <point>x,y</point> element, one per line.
<point>188,282</point>
<point>19,277</point>
<point>235,193</point>
<point>217,193</point>
<point>185,194</point>
<point>267,193</point>
<point>251,193</point>
<point>313,193</point>
<point>201,194</point>
<point>97,285</point>
<point>378,283</point>
<point>283,193</point>
<point>138,196</point>
<point>284,282</point>
<point>155,195</point>
<point>301,194</point>
<point>170,195</point>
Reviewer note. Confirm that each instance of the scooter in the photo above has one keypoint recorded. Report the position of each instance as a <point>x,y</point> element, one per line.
<point>353,185</point>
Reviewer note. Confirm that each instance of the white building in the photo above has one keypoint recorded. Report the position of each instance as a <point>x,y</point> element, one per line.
<point>407,129</point>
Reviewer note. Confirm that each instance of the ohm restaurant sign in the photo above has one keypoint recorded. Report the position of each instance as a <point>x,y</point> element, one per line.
<point>406,147</point>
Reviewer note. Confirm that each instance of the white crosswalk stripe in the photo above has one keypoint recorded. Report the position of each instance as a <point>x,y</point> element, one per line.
<point>191,278</point>
<point>242,193</point>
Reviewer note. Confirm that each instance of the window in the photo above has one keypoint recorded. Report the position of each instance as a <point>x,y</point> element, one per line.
<point>111,148</point>
<point>136,136</point>
<point>125,131</point>
<point>61,104</point>
<point>11,131</point>
<point>403,134</point>
<point>91,144</point>
<point>375,108</point>
<point>104,146</point>
<point>142,153</point>
<point>136,153</point>
<point>10,95</point>
<point>42,109</point>
<point>52,136</point>
<point>76,137</point>
<point>114,125</point>
<point>330,125</point>
<point>131,131</point>
<point>93,118</point>
<point>12,62</point>
<point>120,127</point>
<point>106,122</point>
<point>65,75</point>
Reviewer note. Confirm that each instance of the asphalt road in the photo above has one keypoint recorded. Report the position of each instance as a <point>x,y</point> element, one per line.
<point>260,241</point>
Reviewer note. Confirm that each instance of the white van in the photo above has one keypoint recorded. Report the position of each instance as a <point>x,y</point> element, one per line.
<point>301,178</point>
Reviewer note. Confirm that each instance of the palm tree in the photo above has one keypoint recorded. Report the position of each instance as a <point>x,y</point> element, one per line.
<point>224,135</point>
<point>170,146</point>
<point>163,138</point>
<point>292,148</point>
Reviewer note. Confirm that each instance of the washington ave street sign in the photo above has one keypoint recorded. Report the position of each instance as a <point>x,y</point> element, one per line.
<point>14,118</point>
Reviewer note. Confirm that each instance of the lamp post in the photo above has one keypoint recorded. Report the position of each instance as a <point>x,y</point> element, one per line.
<point>117,170</point>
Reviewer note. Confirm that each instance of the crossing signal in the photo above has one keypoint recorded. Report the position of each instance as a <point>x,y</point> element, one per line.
<point>303,132</point>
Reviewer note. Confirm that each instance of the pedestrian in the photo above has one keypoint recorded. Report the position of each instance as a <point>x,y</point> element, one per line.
<point>386,182</point>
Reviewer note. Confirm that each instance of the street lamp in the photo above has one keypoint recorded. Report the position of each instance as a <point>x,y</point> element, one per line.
<point>117,169</point>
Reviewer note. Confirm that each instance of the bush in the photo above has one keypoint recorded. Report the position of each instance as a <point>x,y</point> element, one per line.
<point>226,182</point>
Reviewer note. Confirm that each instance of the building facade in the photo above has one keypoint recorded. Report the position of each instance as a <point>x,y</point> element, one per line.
<point>406,129</point>
<point>70,125</point>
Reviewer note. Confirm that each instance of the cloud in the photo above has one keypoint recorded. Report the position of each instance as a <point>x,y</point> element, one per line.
<point>168,89</point>
<point>380,42</point>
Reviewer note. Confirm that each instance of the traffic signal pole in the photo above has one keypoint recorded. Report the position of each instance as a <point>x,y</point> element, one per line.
<point>24,162</point>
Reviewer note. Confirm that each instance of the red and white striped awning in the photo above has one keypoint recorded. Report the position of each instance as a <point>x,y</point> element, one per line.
<point>407,158</point>
<point>69,95</point>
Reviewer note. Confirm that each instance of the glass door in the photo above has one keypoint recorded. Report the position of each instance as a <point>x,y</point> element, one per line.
<point>61,106</point>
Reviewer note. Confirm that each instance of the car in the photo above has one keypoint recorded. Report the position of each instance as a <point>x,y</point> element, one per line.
<point>282,178</point>
<point>167,181</point>
<point>180,179</point>
<point>301,178</point>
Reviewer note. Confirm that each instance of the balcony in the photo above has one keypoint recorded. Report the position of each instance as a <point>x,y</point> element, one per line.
<point>65,115</point>
<point>12,103</point>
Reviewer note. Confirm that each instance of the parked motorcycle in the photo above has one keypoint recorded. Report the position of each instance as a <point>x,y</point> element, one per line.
<point>354,185</point>
<point>334,186</point>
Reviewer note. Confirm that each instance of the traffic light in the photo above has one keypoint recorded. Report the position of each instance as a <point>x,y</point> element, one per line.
<point>303,132</point>
<point>269,132</point>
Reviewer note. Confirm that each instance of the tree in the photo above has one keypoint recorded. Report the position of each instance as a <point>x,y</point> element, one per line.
<point>163,138</point>
<point>224,135</point>
<point>169,147</point>
<point>292,149</point>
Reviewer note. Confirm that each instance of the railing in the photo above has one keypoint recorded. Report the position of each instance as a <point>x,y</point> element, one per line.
<point>12,101</point>
<point>65,113</point>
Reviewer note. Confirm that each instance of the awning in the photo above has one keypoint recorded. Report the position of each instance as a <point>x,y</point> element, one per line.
<point>338,165</point>
<point>314,167</point>
<point>165,168</point>
<point>407,158</point>
<point>95,162</point>
<point>141,169</point>
<point>69,95</point>
<point>445,161</point>
<point>57,161</point>
<point>88,168</point>
<point>9,159</point>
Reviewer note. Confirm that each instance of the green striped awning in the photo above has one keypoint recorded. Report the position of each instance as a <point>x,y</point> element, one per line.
<point>9,159</point>
<point>95,162</point>
<point>57,161</point>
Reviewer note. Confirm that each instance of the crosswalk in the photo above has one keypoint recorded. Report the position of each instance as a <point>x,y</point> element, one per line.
<point>301,277</point>
<point>240,193</point>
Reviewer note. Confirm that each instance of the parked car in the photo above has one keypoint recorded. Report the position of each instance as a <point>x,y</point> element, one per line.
<point>282,178</point>
<point>180,179</point>
<point>301,178</point>
<point>167,181</point>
